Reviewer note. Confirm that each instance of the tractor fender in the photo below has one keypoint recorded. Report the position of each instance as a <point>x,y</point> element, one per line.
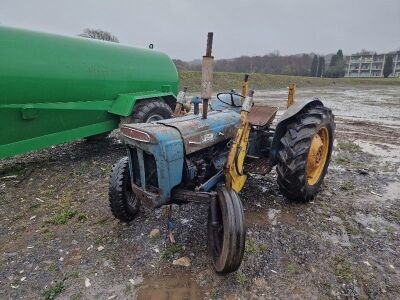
<point>285,119</point>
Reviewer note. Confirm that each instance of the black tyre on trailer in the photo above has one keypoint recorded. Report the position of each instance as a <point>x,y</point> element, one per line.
<point>149,111</point>
<point>123,202</point>
<point>305,152</point>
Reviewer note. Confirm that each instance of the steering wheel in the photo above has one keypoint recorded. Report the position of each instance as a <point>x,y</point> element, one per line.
<point>231,94</point>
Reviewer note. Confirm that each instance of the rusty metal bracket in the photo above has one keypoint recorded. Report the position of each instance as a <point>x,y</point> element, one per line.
<point>181,195</point>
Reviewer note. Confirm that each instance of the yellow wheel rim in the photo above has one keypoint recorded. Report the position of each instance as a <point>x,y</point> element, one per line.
<point>317,155</point>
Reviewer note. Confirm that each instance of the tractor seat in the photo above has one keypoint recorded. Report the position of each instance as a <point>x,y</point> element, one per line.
<point>262,116</point>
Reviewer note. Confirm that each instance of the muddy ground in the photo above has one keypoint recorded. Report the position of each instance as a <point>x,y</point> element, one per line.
<point>59,239</point>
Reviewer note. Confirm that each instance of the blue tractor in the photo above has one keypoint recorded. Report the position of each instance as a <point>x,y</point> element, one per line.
<point>204,158</point>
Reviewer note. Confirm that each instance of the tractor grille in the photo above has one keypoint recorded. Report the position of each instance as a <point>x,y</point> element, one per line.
<point>135,166</point>
<point>150,169</point>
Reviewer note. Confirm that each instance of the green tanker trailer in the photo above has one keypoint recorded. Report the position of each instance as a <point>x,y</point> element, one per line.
<point>55,89</point>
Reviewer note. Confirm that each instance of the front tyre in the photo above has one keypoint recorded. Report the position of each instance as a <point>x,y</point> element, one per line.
<point>226,236</point>
<point>305,152</point>
<point>123,202</point>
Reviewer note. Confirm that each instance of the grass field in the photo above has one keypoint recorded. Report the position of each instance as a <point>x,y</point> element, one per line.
<point>224,81</point>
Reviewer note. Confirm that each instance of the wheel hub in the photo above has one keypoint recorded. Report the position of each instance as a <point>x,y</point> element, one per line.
<point>317,155</point>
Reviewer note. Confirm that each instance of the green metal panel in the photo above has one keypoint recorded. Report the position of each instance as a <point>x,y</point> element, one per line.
<point>55,88</point>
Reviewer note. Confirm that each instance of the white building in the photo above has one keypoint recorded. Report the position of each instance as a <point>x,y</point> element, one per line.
<point>371,65</point>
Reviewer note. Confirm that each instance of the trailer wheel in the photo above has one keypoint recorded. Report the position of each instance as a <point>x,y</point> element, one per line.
<point>305,152</point>
<point>226,237</point>
<point>149,111</point>
<point>123,202</point>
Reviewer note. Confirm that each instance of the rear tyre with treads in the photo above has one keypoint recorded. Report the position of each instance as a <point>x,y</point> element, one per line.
<point>305,152</point>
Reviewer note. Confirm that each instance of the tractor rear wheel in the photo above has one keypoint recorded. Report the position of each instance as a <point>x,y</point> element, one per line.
<point>124,203</point>
<point>226,236</point>
<point>305,152</point>
<point>148,111</point>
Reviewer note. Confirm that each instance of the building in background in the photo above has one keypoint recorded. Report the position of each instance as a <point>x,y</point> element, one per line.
<point>371,65</point>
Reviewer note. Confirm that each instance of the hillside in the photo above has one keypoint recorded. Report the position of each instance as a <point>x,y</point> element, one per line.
<point>226,81</point>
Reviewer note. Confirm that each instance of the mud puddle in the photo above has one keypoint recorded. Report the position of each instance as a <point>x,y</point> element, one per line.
<point>180,286</point>
<point>369,103</point>
<point>272,217</point>
<point>387,152</point>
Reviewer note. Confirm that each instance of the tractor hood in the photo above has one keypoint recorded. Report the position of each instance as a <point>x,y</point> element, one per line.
<point>198,133</point>
<point>195,132</point>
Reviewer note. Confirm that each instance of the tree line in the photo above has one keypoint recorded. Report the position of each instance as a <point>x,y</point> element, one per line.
<point>273,63</point>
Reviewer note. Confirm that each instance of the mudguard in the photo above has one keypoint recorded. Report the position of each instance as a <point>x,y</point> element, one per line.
<point>285,119</point>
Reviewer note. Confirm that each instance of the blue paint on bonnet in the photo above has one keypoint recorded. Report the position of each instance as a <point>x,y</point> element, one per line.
<point>167,148</point>
<point>172,139</point>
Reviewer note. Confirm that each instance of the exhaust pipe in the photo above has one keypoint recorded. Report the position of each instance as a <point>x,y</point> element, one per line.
<point>207,75</point>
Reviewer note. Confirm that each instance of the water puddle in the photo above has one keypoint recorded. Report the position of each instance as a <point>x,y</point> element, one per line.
<point>272,217</point>
<point>375,223</point>
<point>392,191</point>
<point>288,218</point>
<point>387,152</point>
<point>256,218</point>
<point>180,286</point>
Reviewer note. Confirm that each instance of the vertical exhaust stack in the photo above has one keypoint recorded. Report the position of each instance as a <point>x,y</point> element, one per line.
<point>207,75</point>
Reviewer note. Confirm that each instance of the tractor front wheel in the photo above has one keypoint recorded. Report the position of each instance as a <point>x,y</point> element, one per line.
<point>124,203</point>
<point>305,152</point>
<point>226,231</point>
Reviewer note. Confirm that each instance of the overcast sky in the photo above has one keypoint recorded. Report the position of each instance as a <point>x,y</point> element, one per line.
<point>241,27</point>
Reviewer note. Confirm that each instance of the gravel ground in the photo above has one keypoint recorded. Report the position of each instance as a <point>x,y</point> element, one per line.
<point>59,239</point>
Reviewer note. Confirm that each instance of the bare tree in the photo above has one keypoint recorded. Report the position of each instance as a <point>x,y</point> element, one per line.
<point>99,35</point>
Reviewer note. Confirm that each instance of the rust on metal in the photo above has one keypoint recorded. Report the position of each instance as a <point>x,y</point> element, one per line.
<point>262,116</point>
<point>210,36</point>
<point>150,199</point>
<point>291,92</point>
<point>207,75</point>
<point>190,196</point>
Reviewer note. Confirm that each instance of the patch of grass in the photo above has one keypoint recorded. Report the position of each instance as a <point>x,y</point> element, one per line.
<point>343,269</point>
<point>170,251</point>
<point>102,221</point>
<point>48,236</point>
<point>53,291</point>
<point>100,240</point>
<point>241,278</point>
<point>74,274</point>
<point>261,81</point>
<point>52,267</point>
<point>34,206</point>
<point>77,296</point>
<point>343,160</point>
<point>291,268</point>
<point>347,186</point>
<point>252,247</point>
<point>62,217</point>
<point>12,170</point>
<point>128,289</point>
<point>82,217</point>
<point>396,215</point>
<point>348,146</point>
<point>350,228</point>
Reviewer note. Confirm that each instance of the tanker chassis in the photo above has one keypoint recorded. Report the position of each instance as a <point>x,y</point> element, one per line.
<point>55,89</point>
